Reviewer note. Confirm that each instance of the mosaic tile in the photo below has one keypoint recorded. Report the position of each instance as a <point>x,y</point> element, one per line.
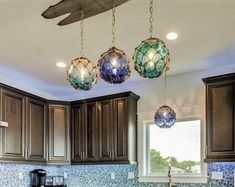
<point>99,175</point>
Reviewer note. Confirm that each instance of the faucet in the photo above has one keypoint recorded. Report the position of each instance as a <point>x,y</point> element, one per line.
<point>170,184</point>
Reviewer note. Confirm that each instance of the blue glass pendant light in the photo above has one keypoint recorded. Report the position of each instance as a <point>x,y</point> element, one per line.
<point>81,73</point>
<point>114,65</point>
<point>165,116</point>
<point>151,57</point>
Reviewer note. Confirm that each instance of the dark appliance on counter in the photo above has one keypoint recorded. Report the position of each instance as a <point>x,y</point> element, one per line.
<point>38,178</point>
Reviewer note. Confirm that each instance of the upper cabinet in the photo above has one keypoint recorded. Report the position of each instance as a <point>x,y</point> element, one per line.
<point>220,121</point>
<point>104,129</point>
<point>12,138</point>
<point>59,133</point>
<point>36,130</point>
<point>84,132</point>
<point>97,130</point>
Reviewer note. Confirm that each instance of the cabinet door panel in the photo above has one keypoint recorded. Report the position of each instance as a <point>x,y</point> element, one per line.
<point>105,110</point>
<point>59,144</point>
<point>77,132</point>
<point>36,130</point>
<point>91,132</point>
<point>220,126</point>
<point>120,129</point>
<point>12,138</point>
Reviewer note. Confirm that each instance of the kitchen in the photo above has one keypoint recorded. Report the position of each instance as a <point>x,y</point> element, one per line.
<point>107,135</point>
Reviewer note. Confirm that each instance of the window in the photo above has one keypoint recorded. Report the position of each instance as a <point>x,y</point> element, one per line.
<point>180,146</point>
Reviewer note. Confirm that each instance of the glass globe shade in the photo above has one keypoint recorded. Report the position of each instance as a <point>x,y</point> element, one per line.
<point>165,117</point>
<point>151,57</point>
<point>82,74</point>
<point>114,66</point>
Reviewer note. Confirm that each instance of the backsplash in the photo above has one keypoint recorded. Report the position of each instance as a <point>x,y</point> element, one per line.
<point>12,175</point>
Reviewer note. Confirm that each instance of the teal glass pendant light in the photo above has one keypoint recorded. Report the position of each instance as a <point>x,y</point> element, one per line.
<point>113,64</point>
<point>165,116</point>
<point>81,73</point>
<point>152,56</point>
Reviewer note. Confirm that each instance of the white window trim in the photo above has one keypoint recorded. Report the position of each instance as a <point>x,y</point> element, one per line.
<point>142,157</point>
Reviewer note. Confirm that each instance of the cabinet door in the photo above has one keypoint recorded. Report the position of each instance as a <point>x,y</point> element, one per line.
<point>59,144</point>
<point>36,130</point>
<point>220,120</point>
<point>77,132</point>
<point>105,111</point>
<point>12,137</point>
<point>90,151</point>
<point>120,129</point>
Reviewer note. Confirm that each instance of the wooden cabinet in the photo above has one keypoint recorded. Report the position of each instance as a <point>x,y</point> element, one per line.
<point>84,132</point>
<point>105,113</point>
<point>90,137</point>
<point>98,130</point>
<point>59,133</point>
<point>77,132</point>
<point>36,129</point>
<point>104,129</point>
<point>220,121</point>
<point>12,146</point>
<point>120,129</point>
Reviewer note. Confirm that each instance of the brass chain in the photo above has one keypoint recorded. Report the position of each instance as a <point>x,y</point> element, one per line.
<point>113,23</point>
<point>165,87</point>
<point>82,32</point>
<point>151,18</point>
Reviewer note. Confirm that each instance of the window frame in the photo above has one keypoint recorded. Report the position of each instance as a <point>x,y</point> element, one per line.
<point>143,147</point>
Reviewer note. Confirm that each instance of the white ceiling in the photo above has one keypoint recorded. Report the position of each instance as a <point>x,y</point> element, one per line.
<point>31,45</point>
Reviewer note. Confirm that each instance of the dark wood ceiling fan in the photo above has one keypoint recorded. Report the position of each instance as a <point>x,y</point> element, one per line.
<point>74,7</point>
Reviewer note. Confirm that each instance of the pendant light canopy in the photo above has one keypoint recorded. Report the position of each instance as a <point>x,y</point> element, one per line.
<point>165,116</point>
<point>81,73</point>
<point>151,57</point>
<point>114,65</point>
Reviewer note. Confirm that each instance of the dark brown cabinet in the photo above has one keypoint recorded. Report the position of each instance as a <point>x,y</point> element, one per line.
<point>90,140</point>
<point>106,138</point>
<point>98,130</point>
<point>12,146</point>
<point>59,133</point>
<point>36,129</point>
<point>84,132</point>
<point>220,118</point>
<point>120,129</point>
<point>103,128</point>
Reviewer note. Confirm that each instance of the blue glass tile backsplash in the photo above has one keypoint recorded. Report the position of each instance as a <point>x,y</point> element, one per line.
<point>17,175</point>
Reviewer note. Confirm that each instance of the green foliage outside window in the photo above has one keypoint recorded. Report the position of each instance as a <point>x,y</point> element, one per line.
<point>158,164</point>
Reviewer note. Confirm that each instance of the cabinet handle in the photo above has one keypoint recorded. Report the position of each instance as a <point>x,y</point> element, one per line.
<point>110,154</point>
<point>113,154</point>
<point>81,156</point>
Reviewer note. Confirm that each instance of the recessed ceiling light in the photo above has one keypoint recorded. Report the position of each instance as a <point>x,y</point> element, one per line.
<point>172,36</point>
<point>60,64</point>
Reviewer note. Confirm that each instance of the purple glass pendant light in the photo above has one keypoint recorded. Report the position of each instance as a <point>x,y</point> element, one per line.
<point>165,116</point>
<point>114,65</point>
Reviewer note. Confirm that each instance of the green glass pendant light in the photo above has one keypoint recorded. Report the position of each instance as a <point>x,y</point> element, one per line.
<point>81,73</point>
<point>152,56</point>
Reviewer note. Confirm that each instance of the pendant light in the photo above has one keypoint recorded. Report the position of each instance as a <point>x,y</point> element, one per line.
<point>165,116</point>
<point>151,57</point>
<point>81,73</point>
<point>114,65</point>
